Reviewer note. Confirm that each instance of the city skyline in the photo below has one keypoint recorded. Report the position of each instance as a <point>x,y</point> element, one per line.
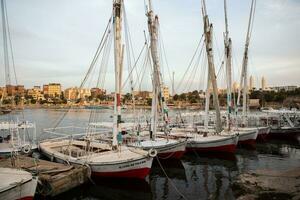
<point>56,44</point>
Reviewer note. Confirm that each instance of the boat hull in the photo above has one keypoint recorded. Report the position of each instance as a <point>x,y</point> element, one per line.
<point>247,138</point>
<point>21,191</point>
<point>168,150</point>
<point>127,168</point>
<point>288,133</point>
<point>227,144</point>
<point>263,133</point>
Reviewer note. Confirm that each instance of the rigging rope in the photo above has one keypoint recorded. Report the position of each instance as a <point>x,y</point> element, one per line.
<point>181,81</point>
<point>171,181</point>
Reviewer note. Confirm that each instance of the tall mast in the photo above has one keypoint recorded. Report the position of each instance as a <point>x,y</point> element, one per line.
<point>5,44</point>
<point>158,99</point>
<point>228,56</point>
<point>208,31</point>
<point>117,20</point>
<point>244,75</point>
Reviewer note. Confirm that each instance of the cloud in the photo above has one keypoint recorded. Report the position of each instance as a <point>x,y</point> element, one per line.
<point>54,41</point>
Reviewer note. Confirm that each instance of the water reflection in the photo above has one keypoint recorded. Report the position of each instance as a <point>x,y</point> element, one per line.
<point>110,189</point>
<point>210,177</point>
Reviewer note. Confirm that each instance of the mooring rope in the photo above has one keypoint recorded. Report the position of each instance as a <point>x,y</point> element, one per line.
<point>172,183</point>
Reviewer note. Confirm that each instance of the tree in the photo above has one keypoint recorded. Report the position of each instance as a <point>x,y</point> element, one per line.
<point>182,97</point>
<point>149,101</point>
<point>175,97</point>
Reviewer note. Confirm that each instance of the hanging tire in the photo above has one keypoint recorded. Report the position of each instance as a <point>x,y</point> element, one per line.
<point>26,149</point>
<point>152,153</point>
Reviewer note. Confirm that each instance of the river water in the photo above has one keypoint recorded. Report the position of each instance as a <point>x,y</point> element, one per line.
<point>195,176</point>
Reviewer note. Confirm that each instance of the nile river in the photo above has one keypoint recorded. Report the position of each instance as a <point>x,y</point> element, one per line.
<point>194,176</point>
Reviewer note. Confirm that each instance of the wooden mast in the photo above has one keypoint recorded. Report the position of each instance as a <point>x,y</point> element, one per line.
<point>158,100</point>
<point>117,20</point>
<point>228,56</point>
<point>5,44</point>
<point>244,75</point>
<point>208,32</point>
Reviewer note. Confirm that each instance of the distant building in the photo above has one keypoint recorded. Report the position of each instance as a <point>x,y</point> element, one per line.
<point>36,87</point>
<point>3,92</point>
<point>15,90</point>
<point>52,90</point>
<point>254,103</point>
<point>95,92</point>
<point>285,88</point>
<point>75,93</point>
<point>142,94</point>
<point>235,86</point>
<point>35,93</point>
<point>166,93</point>
<point>263,83</point>
<point>221,91</point>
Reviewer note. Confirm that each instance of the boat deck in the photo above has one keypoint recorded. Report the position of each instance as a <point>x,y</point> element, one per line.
<point>54,178</point>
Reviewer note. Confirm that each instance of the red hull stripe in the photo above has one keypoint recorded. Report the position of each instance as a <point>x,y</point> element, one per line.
<point>171,155</point>
<point>135,173</point>
<point>247,142</point>
<point>230,148</point>
<point>262,137</point>
<point>26,198</point>
<point>118,100</point>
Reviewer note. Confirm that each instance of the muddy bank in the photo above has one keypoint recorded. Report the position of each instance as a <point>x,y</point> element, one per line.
<point>268,184</point>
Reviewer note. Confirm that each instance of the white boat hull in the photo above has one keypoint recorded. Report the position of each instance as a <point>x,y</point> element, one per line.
<point>118,166</point>
<point>213,143</point>
<point>23,189</point>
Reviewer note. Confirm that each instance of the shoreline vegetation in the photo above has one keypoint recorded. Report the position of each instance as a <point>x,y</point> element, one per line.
<point>192,100</point>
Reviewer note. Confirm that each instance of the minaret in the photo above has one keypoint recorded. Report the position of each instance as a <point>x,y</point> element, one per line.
<point>251,83</point>
<point>263,83</point>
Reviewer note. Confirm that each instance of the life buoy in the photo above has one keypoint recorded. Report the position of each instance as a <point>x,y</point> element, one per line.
<point>26,149</point>
<point>152,153</point>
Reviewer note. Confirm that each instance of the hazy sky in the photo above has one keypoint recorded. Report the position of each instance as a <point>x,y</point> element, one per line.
<point>55,40</point>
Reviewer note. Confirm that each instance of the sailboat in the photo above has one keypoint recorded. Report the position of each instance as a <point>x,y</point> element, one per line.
<point>105,159</point>
<point>210,139</point>
<point>156,138</point>
<point>15,135</point>
<point>247,135</point>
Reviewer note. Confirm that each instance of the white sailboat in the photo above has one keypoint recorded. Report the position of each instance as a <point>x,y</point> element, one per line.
<point>104,159</point>
<point>158,139</point>
<point>15,135</point>
<point>247,135</point>
<point>206,139</point>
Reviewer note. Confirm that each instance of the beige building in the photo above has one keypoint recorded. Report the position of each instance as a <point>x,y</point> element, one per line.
<point>75,93</point>
<point>236,86</point>
<point>52,89</point>
<point>142,94</point>
<point>36,93</point>
<point>3,92</point>
<point>166,93</point>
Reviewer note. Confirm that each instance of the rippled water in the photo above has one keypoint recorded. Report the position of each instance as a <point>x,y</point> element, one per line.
<point>195,176</point>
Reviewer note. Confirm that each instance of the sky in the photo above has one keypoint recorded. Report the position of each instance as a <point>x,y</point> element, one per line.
<point>55,40</point>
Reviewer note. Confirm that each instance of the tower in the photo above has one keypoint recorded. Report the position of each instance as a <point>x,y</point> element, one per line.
<point>251,83</point>
<point>263,83</point>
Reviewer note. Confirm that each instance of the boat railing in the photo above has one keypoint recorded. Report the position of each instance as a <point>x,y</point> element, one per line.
<point>71,132</point>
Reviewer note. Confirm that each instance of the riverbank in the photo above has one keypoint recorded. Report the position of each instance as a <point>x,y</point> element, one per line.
<point>268,184</point>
